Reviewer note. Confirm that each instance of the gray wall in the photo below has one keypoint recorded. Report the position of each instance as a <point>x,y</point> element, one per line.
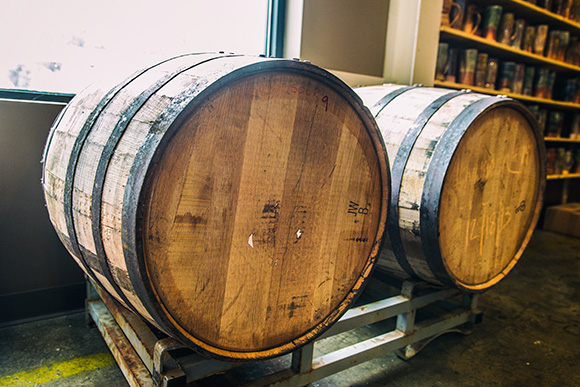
<point>37,275</point>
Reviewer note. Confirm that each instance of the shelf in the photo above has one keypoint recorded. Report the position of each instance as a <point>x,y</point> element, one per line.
<point>561,139</point>
<point>535,14</point>
<point>494,48</point>
<point>564,176</point>
<point>521,97</point>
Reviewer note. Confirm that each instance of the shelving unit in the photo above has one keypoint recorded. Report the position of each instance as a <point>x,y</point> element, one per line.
<point>534,15</point>
<point>474,41</point>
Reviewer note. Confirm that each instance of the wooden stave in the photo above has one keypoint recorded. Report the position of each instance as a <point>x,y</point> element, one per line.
<point>377,141</point>
<point>429,224</point>
<point>105,158</point>
<point>398,169</point>
<point>91,263</point>
<point>49,174</point>
<point>394,258</point>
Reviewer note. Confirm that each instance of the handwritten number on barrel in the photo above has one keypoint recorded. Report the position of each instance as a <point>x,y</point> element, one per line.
<point>314,92</point>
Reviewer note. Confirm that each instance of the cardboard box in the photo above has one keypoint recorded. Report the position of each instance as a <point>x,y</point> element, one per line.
<point>564,219</point>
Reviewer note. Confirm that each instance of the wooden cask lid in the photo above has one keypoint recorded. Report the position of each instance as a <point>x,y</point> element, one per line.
<point>491,196</point>
<point>262,211</point>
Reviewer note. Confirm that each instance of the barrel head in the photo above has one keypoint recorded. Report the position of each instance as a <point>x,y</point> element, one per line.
<point>264,212</point>
<point>491,196</point>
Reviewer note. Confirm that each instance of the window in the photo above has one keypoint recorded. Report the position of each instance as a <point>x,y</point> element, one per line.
<point>63,45</point>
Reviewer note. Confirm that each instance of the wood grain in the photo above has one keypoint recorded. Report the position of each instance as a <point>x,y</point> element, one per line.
<point>251,245</point>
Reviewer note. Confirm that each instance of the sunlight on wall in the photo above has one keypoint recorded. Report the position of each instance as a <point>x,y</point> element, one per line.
<point>62,45</point>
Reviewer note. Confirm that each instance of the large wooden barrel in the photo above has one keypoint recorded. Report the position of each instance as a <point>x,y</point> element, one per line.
<point>468,175</point>
<point>237,203</point>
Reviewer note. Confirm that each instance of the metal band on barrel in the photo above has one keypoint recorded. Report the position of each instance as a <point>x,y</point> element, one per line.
<point>398,170</point>
<point>429,225</point>
<point>71,170</point>
<point>104,160</point>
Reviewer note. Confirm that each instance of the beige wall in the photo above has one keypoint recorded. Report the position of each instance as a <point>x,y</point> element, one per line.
<point>366,42</point>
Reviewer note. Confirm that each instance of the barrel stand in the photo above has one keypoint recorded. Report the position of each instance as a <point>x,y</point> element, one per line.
<point>149,358</point>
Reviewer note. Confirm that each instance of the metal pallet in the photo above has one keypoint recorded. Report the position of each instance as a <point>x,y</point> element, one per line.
<point>149,358</point>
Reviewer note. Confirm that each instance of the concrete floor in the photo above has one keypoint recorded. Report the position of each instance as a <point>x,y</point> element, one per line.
<point>530,336</point>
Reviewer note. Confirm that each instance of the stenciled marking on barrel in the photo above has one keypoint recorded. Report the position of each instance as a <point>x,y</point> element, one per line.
<point>356,209</point>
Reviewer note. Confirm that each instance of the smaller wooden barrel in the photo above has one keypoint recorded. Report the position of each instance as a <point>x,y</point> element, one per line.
<point>468,174</point>
<point>237,203</point>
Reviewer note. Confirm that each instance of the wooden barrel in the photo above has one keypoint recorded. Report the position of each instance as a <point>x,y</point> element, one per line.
<point>468,175</point>
<point>237,203</point>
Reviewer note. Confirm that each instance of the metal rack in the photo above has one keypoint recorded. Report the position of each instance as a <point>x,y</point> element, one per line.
<point>149,358</point>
